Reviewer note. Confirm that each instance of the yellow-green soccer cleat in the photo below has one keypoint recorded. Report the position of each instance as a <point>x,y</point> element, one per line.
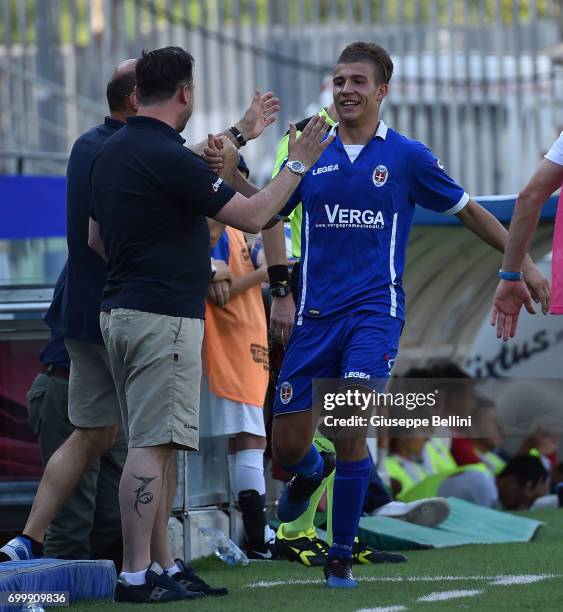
<point>306,548</point>
<point>366,555</point>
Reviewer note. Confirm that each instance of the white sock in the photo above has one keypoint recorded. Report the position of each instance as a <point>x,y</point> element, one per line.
<point>174,569</point>
<point>135,578</point>
<point>249,471</point>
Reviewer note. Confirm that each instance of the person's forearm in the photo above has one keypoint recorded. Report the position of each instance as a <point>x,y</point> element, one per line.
<point>244,283</point>
<point>252,214</point>
<point>524,221</point>
<point>273,240</point>
<point>484,225</point>
<point>243,185</point>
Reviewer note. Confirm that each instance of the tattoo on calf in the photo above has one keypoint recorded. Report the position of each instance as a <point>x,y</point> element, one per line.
<point>143,496</point>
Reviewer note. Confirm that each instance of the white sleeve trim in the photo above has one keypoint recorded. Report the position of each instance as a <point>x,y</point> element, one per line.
<point>459,206</point>
<point>555,154</point>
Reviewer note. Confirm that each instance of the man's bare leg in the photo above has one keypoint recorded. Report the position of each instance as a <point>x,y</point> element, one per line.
<point>140,492</point>
<point>160,547</point>
<point>62,472</point>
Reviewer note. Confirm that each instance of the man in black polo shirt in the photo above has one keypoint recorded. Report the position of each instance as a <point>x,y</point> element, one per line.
<point>150,197</point>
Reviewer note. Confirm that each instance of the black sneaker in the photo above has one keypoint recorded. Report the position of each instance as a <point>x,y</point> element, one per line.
<point>192,583</point>
<point>158,588</point>
<point>295,495</point>
<point>338,573</point>
<point>366,555</point>
<point>307,548</point>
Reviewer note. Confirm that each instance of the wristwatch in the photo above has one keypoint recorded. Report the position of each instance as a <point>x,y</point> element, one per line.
<point>296,167</point>
<point>280,290</point>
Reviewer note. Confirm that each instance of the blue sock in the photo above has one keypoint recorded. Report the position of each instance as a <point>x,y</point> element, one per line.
<point>311,466</point>
<point>350,486</point>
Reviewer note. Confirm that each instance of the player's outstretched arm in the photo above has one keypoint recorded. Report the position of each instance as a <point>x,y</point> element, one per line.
<point>511,295</point>
<point>485,225</point>
<point>252,214</point>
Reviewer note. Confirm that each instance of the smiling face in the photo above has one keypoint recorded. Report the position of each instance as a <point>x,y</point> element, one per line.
<point>357,95</point>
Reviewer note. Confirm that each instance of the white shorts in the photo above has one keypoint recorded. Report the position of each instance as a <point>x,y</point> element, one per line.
<point>223,417</point>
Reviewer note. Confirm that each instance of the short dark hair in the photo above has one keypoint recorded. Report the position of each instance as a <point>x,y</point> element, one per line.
<point>525,469</point>
<point>378,56</point>
<point>160,73</point>
<point>119,87</point>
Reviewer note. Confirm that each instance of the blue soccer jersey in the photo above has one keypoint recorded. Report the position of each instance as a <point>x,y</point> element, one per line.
<point>356,223</point>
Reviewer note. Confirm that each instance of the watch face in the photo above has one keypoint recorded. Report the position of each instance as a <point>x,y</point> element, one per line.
<point>297,166</point>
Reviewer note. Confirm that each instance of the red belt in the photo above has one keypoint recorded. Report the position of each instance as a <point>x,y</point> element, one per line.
<point>54,370</point>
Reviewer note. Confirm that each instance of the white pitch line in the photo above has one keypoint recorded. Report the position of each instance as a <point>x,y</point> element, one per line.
<point>384,609</point>
<point>500,579</point>
<point>445,595</point>
<point>523,579</point>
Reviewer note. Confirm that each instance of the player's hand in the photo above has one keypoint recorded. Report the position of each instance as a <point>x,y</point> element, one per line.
<point>507,303</point>
<point>223,273</point>
<point>282,314</point>
<point>310,145</point>
<point>221,155</point>
<point>219,293</point>
<point>213,153</point>
<point>259,115</point>
<point>538,286</point>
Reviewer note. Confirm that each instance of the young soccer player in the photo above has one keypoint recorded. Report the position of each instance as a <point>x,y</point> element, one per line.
<point>358,204</point>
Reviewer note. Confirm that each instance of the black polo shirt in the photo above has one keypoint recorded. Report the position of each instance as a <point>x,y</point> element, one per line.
<point>75,310</point>
<point>151,196</point>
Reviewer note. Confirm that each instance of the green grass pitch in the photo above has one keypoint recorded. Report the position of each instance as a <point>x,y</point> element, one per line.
<point>481,577</point>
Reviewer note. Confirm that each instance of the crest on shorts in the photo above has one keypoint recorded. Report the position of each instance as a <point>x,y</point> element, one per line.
<point>380,175</point>
<point>286,392</point>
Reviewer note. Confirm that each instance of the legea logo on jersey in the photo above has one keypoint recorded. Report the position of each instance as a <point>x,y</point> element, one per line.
<point>380,176</point>
<point>324,169</point>
<point>353,217</point>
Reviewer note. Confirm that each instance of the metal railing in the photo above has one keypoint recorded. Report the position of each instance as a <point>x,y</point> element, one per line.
<point>473,78</point>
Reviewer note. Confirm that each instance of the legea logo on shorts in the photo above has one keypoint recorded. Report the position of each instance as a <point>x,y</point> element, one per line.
<point>353,217</point>
<point>286,392</point>
<point>357,375</point>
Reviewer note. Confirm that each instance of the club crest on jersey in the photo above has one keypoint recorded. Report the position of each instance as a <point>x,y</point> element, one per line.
<point>380,176</point>
<point>286,392</point>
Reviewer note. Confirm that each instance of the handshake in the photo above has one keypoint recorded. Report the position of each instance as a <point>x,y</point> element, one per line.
<point>221,150</point>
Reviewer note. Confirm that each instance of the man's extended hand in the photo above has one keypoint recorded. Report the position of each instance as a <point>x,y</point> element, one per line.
<point>221,155</point>
<point>259,115</point>
<point>282,314</point>
<point>538,285</point>
<point>507,303</point>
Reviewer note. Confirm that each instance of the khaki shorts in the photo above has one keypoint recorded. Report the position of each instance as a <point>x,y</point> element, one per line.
<point>156,364</point>
<point>92,398</point>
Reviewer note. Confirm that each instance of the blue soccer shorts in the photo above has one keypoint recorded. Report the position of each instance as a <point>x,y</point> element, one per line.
<point>361,346</point>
